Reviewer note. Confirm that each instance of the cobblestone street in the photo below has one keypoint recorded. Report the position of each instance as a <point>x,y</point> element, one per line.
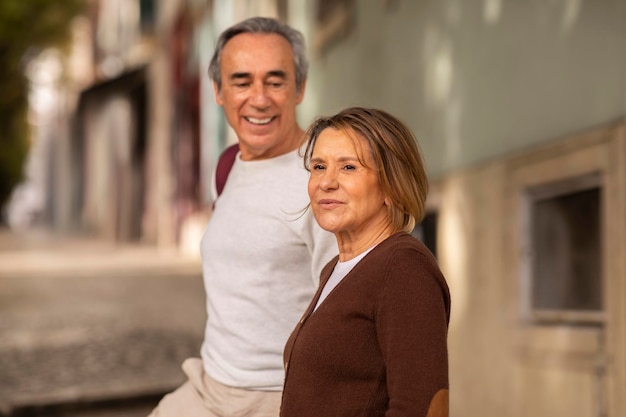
<point>88,329</point>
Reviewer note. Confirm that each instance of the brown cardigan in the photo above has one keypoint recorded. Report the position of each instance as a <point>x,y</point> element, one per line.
<point>377,345</point>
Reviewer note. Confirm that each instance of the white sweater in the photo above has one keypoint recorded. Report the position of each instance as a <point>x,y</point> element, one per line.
<point>262,260</point>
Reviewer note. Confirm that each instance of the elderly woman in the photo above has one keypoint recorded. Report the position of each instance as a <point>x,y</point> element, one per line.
<point>373,341</point>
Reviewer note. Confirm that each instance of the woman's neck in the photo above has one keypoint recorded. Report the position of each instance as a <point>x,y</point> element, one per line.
<point>352,245</point>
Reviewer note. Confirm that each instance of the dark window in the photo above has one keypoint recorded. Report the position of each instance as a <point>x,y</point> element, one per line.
<point>566,264</point>
<point>147,14</point>
<point>334,21</point>
<point>326,9</point>
<point>283,9</point>
<point>426,231</point>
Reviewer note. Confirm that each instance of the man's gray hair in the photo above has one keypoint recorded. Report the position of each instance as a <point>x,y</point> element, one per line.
<point>263,25</point>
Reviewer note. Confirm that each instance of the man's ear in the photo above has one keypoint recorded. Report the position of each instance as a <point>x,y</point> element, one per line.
<point>218,94</point>
<point>300,93</point>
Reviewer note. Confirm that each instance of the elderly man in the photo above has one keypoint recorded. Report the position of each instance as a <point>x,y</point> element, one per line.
<point>262,251</point>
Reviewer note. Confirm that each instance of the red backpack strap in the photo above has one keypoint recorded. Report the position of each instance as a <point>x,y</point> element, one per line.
<point>224,164</point>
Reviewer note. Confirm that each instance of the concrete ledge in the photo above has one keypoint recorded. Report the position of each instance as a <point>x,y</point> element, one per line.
<point>133,367</point>
<point>139,404</point>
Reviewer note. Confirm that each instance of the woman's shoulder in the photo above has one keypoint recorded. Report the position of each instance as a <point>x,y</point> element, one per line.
<point>410,264</point>
<point>403,241</point>
<point>404,254</point>
<point>399,251</point>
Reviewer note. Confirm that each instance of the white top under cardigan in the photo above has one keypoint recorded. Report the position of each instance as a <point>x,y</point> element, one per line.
<point>340,271</point>
<point>261,261</point>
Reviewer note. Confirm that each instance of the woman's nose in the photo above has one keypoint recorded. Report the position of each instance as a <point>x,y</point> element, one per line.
<point>328,181</point>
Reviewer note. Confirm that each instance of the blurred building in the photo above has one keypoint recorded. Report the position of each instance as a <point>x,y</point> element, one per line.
<point>136,127</point>
<point>519,108</point>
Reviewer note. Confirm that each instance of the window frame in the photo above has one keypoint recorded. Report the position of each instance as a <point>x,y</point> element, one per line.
<point>543,191</point>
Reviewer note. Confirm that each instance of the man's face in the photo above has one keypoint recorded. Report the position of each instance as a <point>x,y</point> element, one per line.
<point>259,94</point>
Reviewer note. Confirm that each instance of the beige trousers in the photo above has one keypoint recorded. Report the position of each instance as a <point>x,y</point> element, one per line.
<point>201,396</point>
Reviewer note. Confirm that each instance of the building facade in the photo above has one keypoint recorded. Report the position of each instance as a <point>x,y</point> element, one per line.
<point>519,108</point>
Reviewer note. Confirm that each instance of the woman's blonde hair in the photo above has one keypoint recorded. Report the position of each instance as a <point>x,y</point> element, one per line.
<point>399,163</point>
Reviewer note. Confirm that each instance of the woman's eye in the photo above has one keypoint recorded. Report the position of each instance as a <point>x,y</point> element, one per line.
<point>317,167</point>
<point>349,167</point>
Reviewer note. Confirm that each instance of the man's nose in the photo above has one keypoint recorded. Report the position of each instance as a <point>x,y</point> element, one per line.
<point>259,97</point>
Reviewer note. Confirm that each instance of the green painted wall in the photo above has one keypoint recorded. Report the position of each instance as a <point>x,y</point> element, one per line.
<point>477,79</point>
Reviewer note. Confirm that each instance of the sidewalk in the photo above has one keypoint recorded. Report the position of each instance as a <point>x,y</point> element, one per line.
<point>40,252</point>
<point>91,322</point>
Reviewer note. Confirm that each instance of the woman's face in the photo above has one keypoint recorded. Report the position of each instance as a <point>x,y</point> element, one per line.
<point>346,196</point>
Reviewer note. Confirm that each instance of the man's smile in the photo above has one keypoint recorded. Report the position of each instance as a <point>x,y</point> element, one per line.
<point>256,121</point>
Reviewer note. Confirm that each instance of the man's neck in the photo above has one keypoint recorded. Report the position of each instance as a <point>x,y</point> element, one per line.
<point>289,144</point>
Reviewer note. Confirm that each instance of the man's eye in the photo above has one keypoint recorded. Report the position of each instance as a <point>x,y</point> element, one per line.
<point>242,85</point>
<point>275,85</point>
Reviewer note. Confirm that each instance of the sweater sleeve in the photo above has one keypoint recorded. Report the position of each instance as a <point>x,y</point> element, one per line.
<point>412,324</point>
